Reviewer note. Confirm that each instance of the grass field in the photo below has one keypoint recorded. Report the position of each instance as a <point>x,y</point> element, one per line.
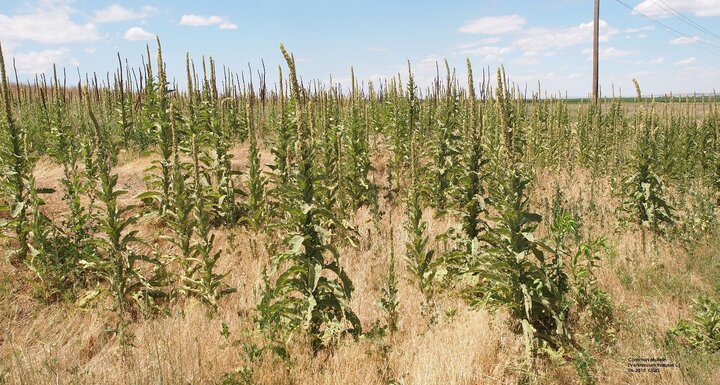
<point>234,232</point>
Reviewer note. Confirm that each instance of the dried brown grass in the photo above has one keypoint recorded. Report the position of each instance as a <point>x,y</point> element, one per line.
<point>60,343</point>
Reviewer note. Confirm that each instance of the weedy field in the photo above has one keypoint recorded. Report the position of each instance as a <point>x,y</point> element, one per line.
<point>239,230</point>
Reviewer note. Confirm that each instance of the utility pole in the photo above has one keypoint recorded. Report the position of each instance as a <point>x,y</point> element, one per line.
<point>596,44</point>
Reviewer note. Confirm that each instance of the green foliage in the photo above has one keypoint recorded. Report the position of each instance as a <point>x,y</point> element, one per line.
<point>422,264</point>
<point>205,283</point>
<point>117,261</point>
<point>257,183</point>
<point>57,249</point>
<point>181,220</point>
<point>699,219</point>
<point>224,190</point>
<point>189,218</point>
<point>18,166</point>
<point>646,201</point>
<point>702,332</point>
<point>389,302</point>
<point>356,168</point>
<point>552,304</point>
<point>470,190</point>
<point>446,148</point>
<point>312,291</point>
<point>156,117</point>
<point>330,148</point>
<point>515,273</point>
<point>284,135</point>
<point>54,256</point>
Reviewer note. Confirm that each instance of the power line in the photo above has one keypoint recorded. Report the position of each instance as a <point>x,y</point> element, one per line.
<point>669,9</point>
<point>667,27</point>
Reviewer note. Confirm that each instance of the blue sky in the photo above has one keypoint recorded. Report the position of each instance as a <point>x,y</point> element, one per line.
<point>547,41</point>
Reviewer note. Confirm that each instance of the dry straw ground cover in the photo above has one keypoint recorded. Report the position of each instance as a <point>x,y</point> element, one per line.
<point>262,231</point>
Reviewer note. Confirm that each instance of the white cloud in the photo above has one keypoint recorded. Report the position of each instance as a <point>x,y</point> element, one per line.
<point>528,58</point>
<point>429,63</point>
<point>684,62</point>
<point>654,8</point>
<point>48,23</point>
<point>137,33</point>
<point>609,52</point>
<point>201,21</point>
<point>489,40</point>
<point>657,61</point>
<point>488,53</point>
<point>636,30</point>
<point>117,12</point>
<point>543,39</point>
<point>30,63</point>
<point>494,25</point>
<point>639,74</point>
<point>685,40</point>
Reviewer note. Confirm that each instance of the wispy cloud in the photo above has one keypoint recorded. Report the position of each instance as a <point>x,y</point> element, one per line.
<point>684,62</point>
<point>494,25</point>
<point>545,39</point>
<point>658,61</point>
<point>116,12</point>
<point>661,9</point>
<point>489,54</point>
<point>486,41</point>
<point>684,40</point>
<point>636,30</point>
<point>609,52</point>
<point>201,21</point>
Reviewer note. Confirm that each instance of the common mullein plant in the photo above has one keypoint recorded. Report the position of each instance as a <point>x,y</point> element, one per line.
<point>18,165</point>
<point>284,136</point>
<point>390,302</point>
<point>399,133</point>
<point>422,264</point>
<point>514,272</point>
<point>645,198</point>
<point>180,216</point>
<point>357,166</point>
<point>118,262</point>
<point>156,115</point>
<point>68,151</point>
<point>256,180</point>
<point>331,148</point>
<point>446,151</point>
<point>470,192</point>
<point>57,250</point>
<point>124,106</point>
<point>200,277</point>
<point>224,186</point>
<point>312,292</point>
<point>256,205</point>
<point>508,274</point>
<point>206,283</point>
